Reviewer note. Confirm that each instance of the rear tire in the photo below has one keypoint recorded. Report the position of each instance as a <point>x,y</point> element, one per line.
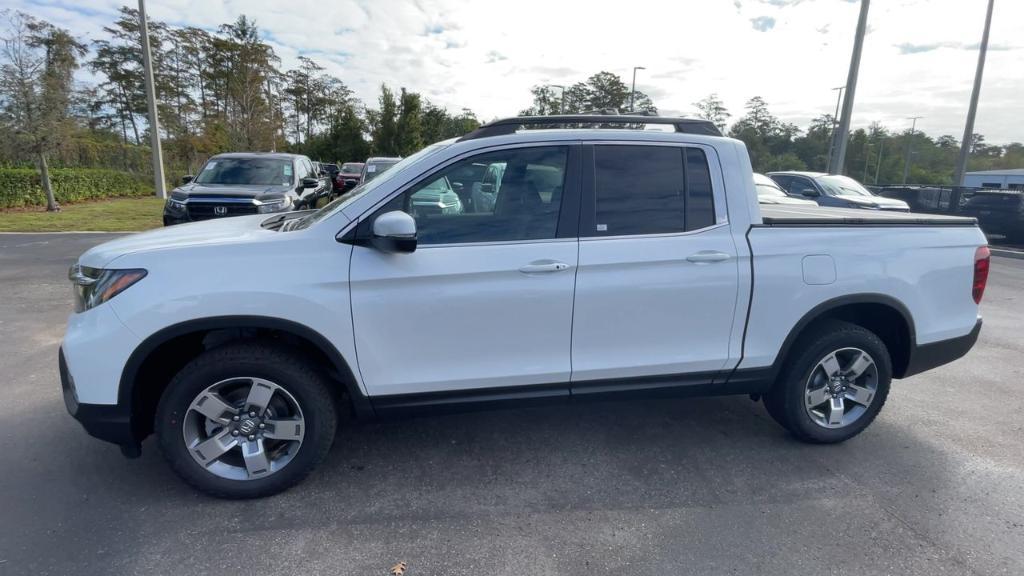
<point>246,420</point>
<point>833,385</point>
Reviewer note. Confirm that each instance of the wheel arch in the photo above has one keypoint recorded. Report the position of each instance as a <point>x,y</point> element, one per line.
<point>884,315</point>
<point>154,362</point>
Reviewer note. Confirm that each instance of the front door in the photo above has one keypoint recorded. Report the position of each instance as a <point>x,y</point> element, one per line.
<point>486,299</point>
<point>656,289</point>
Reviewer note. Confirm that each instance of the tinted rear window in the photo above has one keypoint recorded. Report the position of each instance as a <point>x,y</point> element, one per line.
<point>651,190</point>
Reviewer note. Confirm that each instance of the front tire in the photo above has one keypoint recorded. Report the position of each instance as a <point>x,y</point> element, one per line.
<point>835,384</point>
<point>246,420</point>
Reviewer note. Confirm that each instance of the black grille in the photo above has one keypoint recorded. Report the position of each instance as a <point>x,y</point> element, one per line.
<point>205,211</point>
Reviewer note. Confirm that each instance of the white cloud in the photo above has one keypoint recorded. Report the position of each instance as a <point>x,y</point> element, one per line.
<point>919,56</point>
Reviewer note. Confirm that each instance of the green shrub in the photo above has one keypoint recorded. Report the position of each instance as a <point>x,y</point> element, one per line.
<point>23,187</point>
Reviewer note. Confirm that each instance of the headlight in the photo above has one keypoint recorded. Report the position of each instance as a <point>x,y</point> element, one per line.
<point>274,205</point>
<point>94,286</point>
<point>175,205</point>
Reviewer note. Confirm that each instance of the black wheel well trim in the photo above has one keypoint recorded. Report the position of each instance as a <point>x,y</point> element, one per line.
<point>821,311</point>
<point>126,387</point>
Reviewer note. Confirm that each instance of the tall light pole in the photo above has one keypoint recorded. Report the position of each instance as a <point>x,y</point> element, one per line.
<point>843,133</point>
<point>835,119</point>
<point>561,98</point>
<point>154,122</point>
<point>965,144</point>
<point>878,164</point>
<point>632,91</point>
<point>910,143</point>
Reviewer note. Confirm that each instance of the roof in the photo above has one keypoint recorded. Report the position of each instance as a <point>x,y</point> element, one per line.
<point>1007,172</point>
<point>799,173</point>
<point>381,159</point>
<point>507,126</point>
<point>281,155</point>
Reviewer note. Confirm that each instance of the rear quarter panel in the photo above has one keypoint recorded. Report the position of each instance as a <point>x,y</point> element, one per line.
<point>929,270</point>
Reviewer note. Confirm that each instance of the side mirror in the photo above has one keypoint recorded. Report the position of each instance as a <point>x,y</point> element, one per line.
<point>394,232</point>
<point>809,193</point>
<point>310,182</point>
<point>187,178</point>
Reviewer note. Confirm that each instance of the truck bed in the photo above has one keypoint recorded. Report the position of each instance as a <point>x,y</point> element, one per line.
<point>781,215</point>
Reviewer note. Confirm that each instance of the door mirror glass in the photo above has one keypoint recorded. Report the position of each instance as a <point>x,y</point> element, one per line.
<point>310,182</point>
<point>187,178</point>
<point>808,192</point>
<point>394,231</point>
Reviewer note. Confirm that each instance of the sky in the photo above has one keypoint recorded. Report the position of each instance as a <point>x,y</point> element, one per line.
<point>919,55</point>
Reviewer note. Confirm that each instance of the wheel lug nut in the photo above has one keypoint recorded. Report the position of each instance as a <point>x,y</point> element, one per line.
<point>235,418</point>
<point>262,425</point>
<point>252,437</point>
<point>234,432</point>
<point>252,413</point>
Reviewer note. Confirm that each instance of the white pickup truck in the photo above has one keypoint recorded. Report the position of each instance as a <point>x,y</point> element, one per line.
<point>510,264</point>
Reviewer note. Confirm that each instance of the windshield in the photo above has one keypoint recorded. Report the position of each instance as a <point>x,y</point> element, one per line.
<point>358,191</point>
<point>767,190</point>
<point>374,169</point>
<point>842,186</point>
<point>247,171</point>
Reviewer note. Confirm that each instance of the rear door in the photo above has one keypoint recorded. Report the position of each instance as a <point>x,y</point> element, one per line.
<point>485,301</point>
<point>657,283</point>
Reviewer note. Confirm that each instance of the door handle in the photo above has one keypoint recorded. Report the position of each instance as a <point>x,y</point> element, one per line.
<point>543,267</point>
<point>708,256</point>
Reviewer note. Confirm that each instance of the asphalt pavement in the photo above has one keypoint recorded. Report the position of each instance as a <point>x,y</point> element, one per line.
<point>691,486</point>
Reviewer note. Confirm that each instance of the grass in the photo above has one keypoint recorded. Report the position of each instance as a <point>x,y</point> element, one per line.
<point>114,215</point>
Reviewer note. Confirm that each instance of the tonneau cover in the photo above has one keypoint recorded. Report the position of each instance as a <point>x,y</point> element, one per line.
<point>782,215</point>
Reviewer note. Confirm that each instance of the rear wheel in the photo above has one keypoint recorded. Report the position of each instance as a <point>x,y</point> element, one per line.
<point>246,420</point>
<point>835,385</point>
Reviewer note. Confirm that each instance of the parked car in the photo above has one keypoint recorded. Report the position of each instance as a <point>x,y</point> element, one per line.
<point>999,212</point>
<point>348,177</point>
<point>241,183</point>
<point>768,192</point>
<point>242,342</point>
<point>927,199</point>
<point>834,190</point>
<point>375,167</point>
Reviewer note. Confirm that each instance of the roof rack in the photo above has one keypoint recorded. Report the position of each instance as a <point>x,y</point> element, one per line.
<point>507,126</point>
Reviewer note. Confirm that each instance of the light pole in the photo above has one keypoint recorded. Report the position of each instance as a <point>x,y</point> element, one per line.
<point>632,91</point>
<point>835,119</point>
<point>561,98</point>
<point>878,164</point>
<point>910,142</point>
<point>843,132</point>
<point>965,144</point>
<point>154,122</point>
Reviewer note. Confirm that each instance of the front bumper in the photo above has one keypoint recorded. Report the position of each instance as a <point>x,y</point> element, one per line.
<point>928,356</point>
<point>109,422</point>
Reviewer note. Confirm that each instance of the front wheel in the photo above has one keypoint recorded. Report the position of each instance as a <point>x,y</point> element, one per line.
<point>246,420</point>
<point>835,385</point>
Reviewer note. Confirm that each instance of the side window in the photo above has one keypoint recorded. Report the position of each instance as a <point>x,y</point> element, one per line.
<point>784,182</point>
<point>700,201</point>
<point>500,196</point>
<point>651,190</point>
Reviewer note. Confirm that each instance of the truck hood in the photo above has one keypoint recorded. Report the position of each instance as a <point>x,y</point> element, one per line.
<point>232,191</point>
<point>876,202</point>
<point>218,231</point>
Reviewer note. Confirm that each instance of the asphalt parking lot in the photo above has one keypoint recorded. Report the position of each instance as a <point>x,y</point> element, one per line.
<point>689,486</point>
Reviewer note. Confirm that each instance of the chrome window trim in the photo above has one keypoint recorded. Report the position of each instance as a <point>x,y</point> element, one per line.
<point>496,243</point>
<point>225,200</point>
<point>662,235</point>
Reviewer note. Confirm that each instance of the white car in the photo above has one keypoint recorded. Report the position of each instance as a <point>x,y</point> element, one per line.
<point>600,262</point>
<point>768,192</point>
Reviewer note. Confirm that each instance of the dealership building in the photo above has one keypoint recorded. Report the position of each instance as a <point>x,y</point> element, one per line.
<point>1004,179</point>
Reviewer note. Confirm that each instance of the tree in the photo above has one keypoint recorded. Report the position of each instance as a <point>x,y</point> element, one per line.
<point>38,62</point>
<point>410,126</point>
<point>712,108</point>
<point>384,124</point>
<point>602,91</point>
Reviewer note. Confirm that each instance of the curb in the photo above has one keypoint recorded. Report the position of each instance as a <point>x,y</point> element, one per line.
<point>1017,254</point>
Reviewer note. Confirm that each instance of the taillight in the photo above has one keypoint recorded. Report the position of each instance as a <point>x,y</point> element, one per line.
<point>981,263</point>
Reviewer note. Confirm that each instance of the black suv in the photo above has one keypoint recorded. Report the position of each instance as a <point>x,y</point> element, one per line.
<point>240,183</point>
<point>998,212</point>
